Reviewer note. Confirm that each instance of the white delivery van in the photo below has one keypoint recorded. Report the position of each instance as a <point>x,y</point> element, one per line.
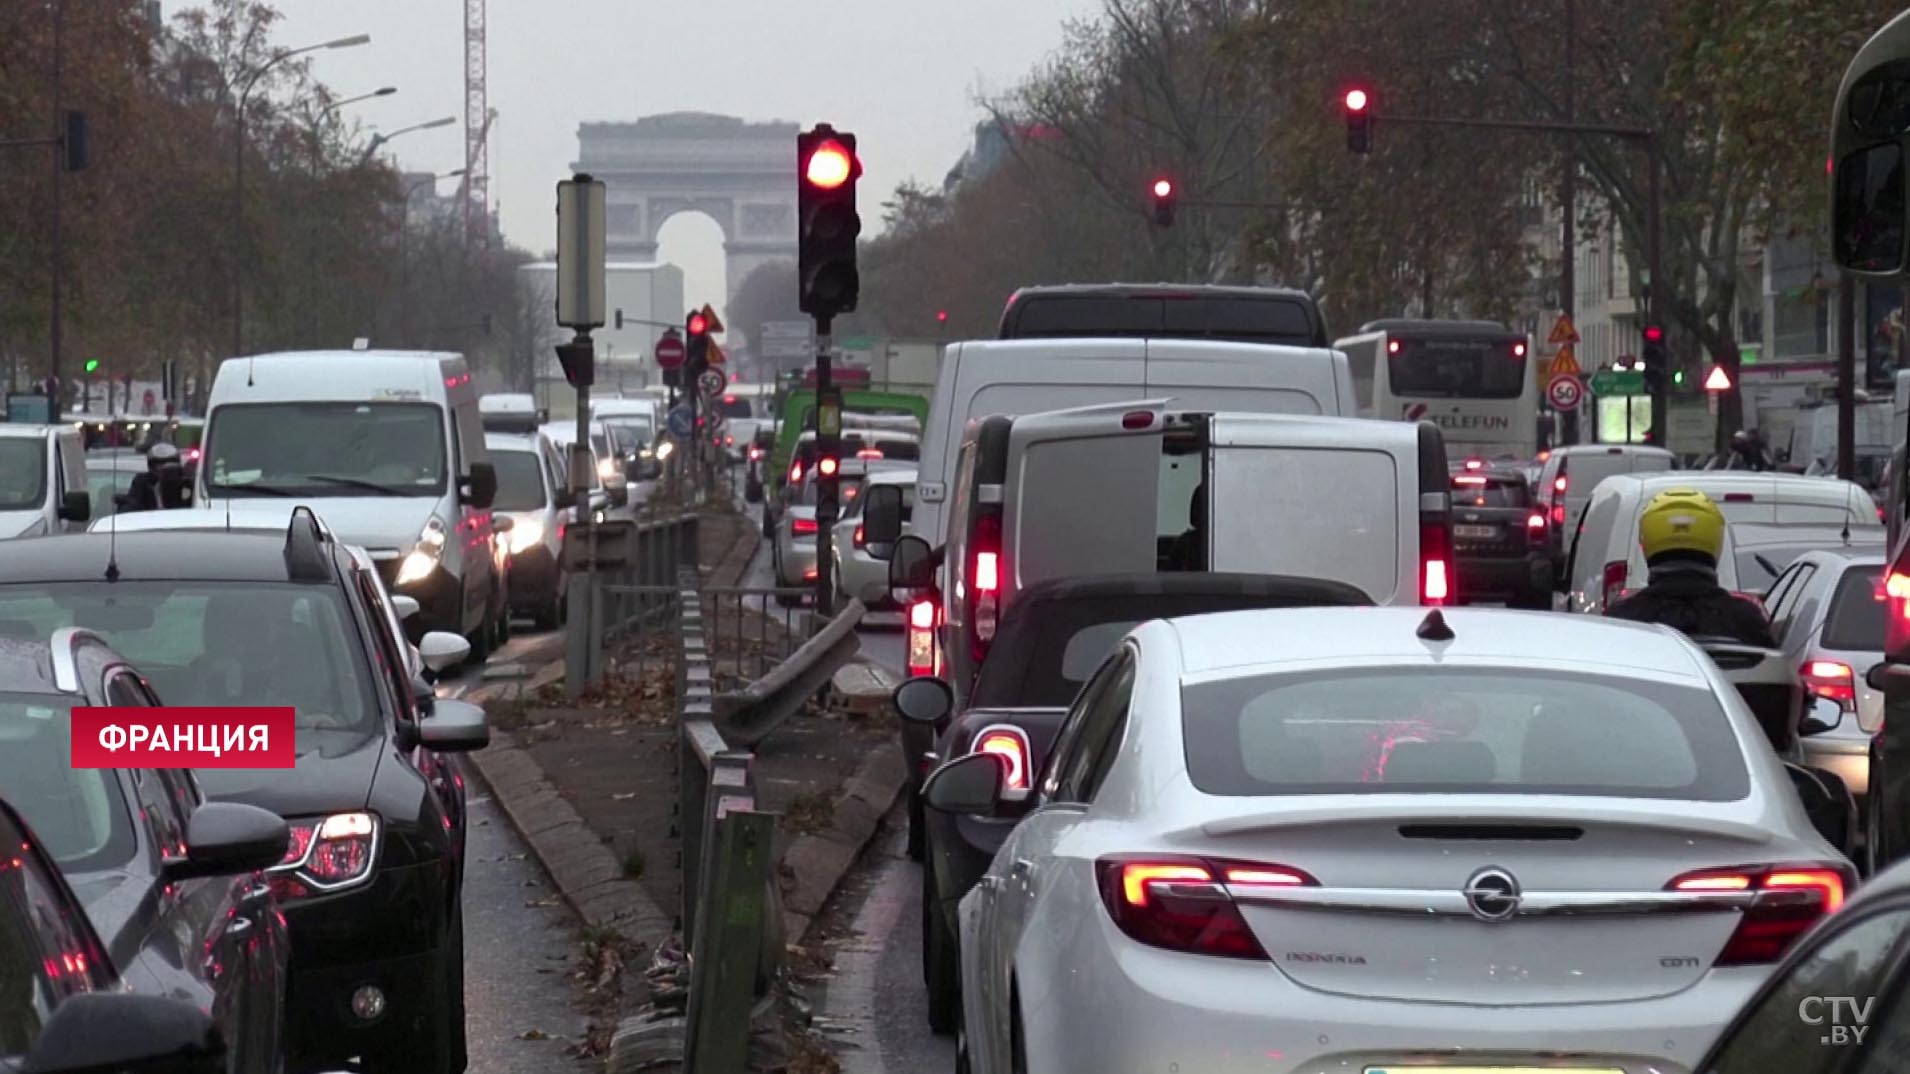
<point>43,480</point>
<point>1027,376</point>
<point>1570,474</point>
<point>388,447</point>
<point>511,412</point>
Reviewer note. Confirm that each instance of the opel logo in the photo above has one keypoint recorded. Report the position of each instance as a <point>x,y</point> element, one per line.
<point>1492,894</point>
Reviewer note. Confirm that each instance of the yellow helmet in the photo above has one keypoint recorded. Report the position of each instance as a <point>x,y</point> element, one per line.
<point>1681,520</point>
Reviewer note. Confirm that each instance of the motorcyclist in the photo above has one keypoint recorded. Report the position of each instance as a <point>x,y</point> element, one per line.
<point>1747,451</point>
<point>1682,534</point>
<point>161,486</point>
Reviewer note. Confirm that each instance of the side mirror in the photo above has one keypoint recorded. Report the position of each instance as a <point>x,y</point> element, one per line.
<point>1867,218</point>
<point>480,489</point>
<point>882,514</point>
<point>1878,677</point>
<point>1828,803</point>
<point>441,649</point>
<point>1821,716</point>
<point>76,507</point>
<point>912,564</point>
<point>405,607</point>
<point>127,1033</point>
<point>969,785</point>
<point>923,699</point>
<point>224,838</point>
<point>455,727</point>
<point>502,523</point>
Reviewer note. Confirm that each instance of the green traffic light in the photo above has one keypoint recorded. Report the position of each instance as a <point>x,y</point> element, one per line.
<point>1678,376</point>
<point>92,365</point>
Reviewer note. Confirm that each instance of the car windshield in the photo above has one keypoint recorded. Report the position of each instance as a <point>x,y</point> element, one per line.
<point>327,449</point>
<point>731,407</point>
<point>22,473</point>
<point>1460,730</point>
<point>1856,619</point>
<point>635,431</point>
<point>220,643</point>
<point>520,482</point>
<point>78,813</point>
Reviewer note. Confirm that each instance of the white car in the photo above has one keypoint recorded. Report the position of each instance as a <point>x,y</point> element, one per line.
<point>43,486</point>
<point>1828,613</point>
<point>1381,839</point>
<point>859,573</point>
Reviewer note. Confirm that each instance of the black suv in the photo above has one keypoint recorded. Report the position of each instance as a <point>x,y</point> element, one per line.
<point>1500,536</point>
<point>371,885</point>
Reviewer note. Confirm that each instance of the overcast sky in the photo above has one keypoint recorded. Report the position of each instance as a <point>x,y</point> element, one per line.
<point>906,82</point>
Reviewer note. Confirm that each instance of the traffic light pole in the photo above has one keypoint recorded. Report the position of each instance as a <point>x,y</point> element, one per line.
<point>826,484</point>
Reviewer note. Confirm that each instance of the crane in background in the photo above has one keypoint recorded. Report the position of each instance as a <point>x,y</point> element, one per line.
<point>477,129</point>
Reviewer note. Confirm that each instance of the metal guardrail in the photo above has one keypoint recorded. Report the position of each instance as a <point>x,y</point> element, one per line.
<point>625,577</point>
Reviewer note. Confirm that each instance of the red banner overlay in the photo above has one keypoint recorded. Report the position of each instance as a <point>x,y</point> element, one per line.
<point>262,737</point>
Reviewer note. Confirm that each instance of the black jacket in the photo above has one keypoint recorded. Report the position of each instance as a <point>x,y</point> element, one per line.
<point>1692,602</point>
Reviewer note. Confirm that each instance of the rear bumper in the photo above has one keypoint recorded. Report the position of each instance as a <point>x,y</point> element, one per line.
<point>795,560</point>
<point>533,578</point>
<point>1501,577</point>
<point>1848,755</point>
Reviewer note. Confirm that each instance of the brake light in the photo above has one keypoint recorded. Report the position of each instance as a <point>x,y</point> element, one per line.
<point>1435,562</point>
<point>1739,497</point>
<point>1615,574</point>
<point>1788,900</point>
<point>1137,419</point>
<point>755,453</point>
<point>1558,514</point>
<point>1558,485</point>
<point>1834,680</point>
<point>921,639</point>
<point>1469,479</point>
<point>327,854</point>
<point>1535,521</point>
<point>869,453</point>
<point>858,537</point>
<point>985,579</point>
<point>1010,744</point>
<point>1475,464</point>
<point>987,575</point>
<point>729,441</point>
<point>795,471</point>
<point>1188,904</point>
<point>802,526</point>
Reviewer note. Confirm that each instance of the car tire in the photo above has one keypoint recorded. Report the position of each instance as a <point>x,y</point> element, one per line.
<point>480,642</point>
<point>941,972</point>
<point>552,615</point>
<point>918,827</point>
<point>503,634</point>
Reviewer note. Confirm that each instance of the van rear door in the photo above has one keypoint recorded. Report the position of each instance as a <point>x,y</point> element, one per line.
<point>1199,375</point>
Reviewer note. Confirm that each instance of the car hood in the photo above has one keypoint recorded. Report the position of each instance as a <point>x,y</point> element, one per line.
<point>372,522</point>
<point>333,775</point>
<point>22,524</point>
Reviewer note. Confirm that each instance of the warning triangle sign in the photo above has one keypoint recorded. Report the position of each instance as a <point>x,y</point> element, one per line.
<point>716,323</point>
<point>1564,364</point>
<point>1563,331</point>
<point>715,355</point>
<point>1717,380</point>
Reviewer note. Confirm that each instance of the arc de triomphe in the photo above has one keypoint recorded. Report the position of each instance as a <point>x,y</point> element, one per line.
<point>740,174</point>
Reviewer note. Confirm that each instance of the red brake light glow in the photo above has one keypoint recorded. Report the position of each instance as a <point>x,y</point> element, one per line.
<point>1616,573</point>
<point>1788,900</point>
<point>1435,561</point>
<point>1558,484</point>
<point>827,466</point>
<point>1535,521</point>
<point>801,526</point>
<point>921,639</point>
<point>1518,350</point>
<point>987,572</point>
<point>1137,419</point>
<point>1188,904</point>
<point>1475,464</point>
<point>1832,679</point>
<point>1469,479</point>
<point>869,453</point>
<point>1010,744</point>
<point>858,537</point>
<point>1392,346</point>
<point>795,471</point>
<point>1438,585</point>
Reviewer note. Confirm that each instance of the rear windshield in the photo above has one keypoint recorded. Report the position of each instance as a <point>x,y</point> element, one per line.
<point>22,473</point>
<point>520,482</point>
<point>1460,730</point>
<point>732,407</point>
<point>1481,490</point>
<point>1240,318</point>
<point>1856,619</point>
<point>1456,369</point>
<point>1336,514</point>
<point>1586,471</point>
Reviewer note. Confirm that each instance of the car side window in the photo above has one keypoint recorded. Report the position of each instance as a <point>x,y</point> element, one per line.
<point>1797,1027</point>
<point>1781,591</point>
<point>394,676</point>
<point>1067,739</point>
<point>1101,722</point>
<point>1796,599</point>
<point>162,812</point>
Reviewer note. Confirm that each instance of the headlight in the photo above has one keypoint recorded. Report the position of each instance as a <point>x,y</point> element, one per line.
<point>424,558</point>
<point>607,468</point>
<point>526,533</point>
<point>647,453</point>
<point>664,449</point>
<point>327,854</point>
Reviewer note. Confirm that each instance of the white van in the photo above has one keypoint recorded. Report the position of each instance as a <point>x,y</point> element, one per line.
<point>1027,376</point>
<point>1773,518</point>
<point>388,446</point>
<point>43,480</point>
<point>511,412</point>
<point>1570,473</point>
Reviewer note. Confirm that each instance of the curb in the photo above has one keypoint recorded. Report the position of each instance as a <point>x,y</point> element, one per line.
<point>863,687</point>
<point>818,861</point>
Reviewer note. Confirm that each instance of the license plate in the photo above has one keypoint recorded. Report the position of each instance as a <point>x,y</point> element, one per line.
<point>1475,533</point>
<point>1492,1070</point>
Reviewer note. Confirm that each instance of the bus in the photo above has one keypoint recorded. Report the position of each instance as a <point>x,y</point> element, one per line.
<point>1474,379</point>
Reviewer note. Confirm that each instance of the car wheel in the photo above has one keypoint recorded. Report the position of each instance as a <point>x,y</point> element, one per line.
<point>938,963</point>
<point>552,615</point>
<point>918,827</point>
<point>503,622</point>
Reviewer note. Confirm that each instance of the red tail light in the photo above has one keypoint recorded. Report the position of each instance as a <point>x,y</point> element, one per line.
<point>1187,904</point>
<point>858,537</point>
<point>985,582</point>
<point>1789,900</point>
<point>1615,574</point>
<point>869,453</point>
<point>1558,514</point>
<point>1009,743</point>
<point>795,471</point>
<point>1535,521</point>
<point>1469,479</point>
<point>802,526</point>
<point>1896,589</point>
<point>755,453</point>
<point>921,639</point>
<point>1435,562</point>
<point>1558,486</point>
<point>1832,679</point>
<point>729,441</point>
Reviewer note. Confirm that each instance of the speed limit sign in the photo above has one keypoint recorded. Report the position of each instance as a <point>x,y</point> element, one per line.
<point>1565,392</point>
<point>712,382</point>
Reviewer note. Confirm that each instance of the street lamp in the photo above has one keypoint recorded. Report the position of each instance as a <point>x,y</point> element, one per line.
<point>404,248</point>
<point>238,173</point>
<point>384,91</point>
<point>380,139</point>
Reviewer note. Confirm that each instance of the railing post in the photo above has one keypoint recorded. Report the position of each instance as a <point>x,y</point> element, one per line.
<point>726,954</point>
<point>577,639</point>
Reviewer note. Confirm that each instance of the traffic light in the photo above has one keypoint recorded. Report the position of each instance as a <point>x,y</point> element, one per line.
<point>579,361</point>
<point>1164,199</point>
<point>827,471</point>
<point>78,142</point>
<point>1655,360</point>
<point>826,174</point>
<point>92,365</point>
<point>1359,121</point>
<point>696,343</point>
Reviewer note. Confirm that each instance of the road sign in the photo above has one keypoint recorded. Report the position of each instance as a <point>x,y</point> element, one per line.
<point>787,339</point>
<point>1562,331</point>
<point>679,422</point>
<point>1717,380</point>
<point>715,322</point>
<point>712,383</point>
<point>1564,363</point>
<point>1618,382</point>
<point>713,354</point>
<point>670,352</point>
<point>1565,392</point>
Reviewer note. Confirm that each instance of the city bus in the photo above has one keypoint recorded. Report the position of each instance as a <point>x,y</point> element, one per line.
<point>1474,379</point>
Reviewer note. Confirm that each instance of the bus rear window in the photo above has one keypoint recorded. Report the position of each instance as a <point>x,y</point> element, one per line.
<point>1455,369</point>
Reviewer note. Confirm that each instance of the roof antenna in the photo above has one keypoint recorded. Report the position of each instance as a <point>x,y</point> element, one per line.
<point>112,530</point>
<point>1849,508</point>
<point>1434,628</point>
<point>250,360</point>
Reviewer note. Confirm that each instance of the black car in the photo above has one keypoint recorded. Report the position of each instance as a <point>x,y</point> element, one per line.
<point>173,887</point>
<point>1500,537</point>
<point>1050,640</point>
<point>372,883</point>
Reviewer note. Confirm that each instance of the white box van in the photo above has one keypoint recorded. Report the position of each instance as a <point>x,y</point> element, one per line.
<point>1027,376</point>
<point>388,446</point>
<point>1773,519</point>
<point>43,480</point>
<point>1570,474</point>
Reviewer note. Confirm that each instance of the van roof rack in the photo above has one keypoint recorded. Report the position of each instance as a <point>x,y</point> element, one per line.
<point>305,544</point>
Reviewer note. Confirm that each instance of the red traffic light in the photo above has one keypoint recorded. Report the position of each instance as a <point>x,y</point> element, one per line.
<point>1654,334</point>
<point>1356,100</point>
<point>1163,188</point>
<point>826,466</point>
<point>698,325</point>
<point>829,166</point>
<point>941,316</point>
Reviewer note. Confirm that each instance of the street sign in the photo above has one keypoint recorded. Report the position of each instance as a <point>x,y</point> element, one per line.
<point>1565,393</point>
<point>715,322</point>
<point>670,352</point>
<point>1562,331</point>
<point>679,422</point>
<point>1717,380</point>
<point>1612,382</point>
<point>580,252</point>
<point>1564,363</point>
<point>713,354</point>
<point>712,383</point>
<point>787,339</point>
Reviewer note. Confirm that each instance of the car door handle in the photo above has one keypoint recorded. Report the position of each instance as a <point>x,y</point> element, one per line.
<point>1023,866</point>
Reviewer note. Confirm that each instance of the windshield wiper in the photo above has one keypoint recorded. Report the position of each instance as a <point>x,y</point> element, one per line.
<point>358,483</point>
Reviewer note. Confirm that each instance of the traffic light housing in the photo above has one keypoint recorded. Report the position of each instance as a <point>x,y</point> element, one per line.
<point>1655,359</point>
<point>828,484</point>
<point>1165,198</point>
<point>826,172</point>
<point>1359,121</point>
<point>696,345</point>
<point>579,361</point>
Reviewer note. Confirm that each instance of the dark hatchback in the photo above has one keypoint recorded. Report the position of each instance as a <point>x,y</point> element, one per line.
<point>1500,537</point>
<point>1050,641</point>
<point>172,888</point>
<point>1165,311</point>
<point>371,884</point>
